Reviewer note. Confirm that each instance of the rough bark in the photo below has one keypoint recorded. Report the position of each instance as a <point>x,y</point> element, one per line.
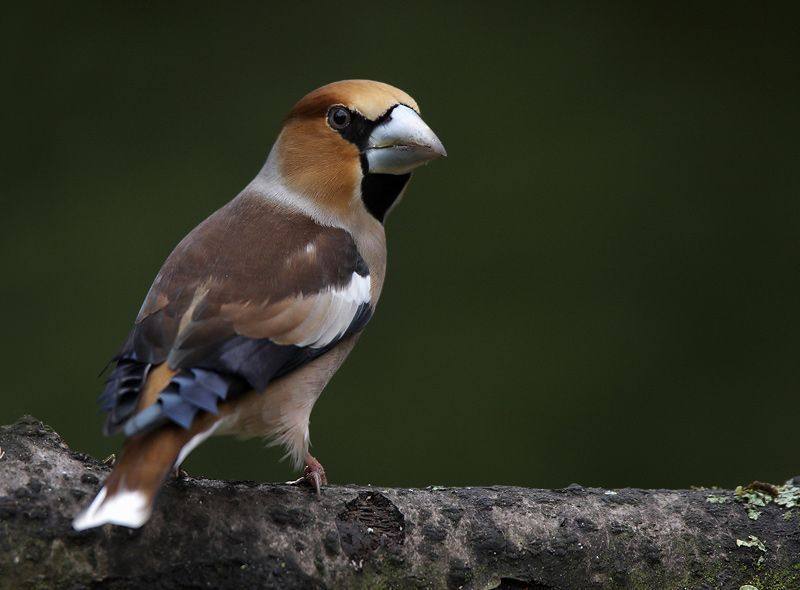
<point>215,534</point>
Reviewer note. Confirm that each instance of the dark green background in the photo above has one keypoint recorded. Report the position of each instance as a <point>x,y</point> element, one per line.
<point>598,285</point>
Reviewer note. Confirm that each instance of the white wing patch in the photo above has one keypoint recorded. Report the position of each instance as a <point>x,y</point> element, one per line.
<point>333,312</point>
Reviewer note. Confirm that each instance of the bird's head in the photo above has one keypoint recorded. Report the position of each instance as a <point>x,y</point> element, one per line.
<point>353,144</point>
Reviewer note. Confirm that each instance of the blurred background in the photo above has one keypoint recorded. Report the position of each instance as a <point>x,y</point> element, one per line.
<point>598,285</point>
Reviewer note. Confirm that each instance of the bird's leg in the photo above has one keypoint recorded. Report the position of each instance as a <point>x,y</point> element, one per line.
<point>2,453</point>
<point>313,474</point>
<point>110,460</point>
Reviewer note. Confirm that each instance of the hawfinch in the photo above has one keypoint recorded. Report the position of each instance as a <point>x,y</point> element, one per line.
<point>255,310</point>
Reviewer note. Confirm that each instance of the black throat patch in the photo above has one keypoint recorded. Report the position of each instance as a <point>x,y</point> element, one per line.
<point>380,191</point>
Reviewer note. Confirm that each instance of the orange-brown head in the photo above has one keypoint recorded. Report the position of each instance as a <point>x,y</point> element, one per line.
<point>353,144</point>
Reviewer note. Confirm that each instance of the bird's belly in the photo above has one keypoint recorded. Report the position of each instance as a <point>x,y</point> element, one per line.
<point>281,412</point>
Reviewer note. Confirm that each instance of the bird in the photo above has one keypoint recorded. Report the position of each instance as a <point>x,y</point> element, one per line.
<point>259,305</point>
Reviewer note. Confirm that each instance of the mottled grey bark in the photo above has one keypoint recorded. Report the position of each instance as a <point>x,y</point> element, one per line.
<point>213,534</point>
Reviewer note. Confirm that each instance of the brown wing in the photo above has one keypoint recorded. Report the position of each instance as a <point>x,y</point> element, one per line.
<point>250,294</point>
<point>250,268</point>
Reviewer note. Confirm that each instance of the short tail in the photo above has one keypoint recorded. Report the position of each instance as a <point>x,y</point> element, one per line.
<point>128,495</point>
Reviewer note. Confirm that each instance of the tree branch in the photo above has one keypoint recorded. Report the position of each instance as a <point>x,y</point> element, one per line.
<point>215,534</point>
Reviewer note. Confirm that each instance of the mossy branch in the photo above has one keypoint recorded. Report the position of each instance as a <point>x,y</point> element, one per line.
<point>213,534</point>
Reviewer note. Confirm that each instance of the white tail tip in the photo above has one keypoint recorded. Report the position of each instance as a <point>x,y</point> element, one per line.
<point>128,508</point>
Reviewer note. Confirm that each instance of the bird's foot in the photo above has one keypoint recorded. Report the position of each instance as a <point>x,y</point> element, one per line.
<point>178,473</point>
<point>2,453</point>
<point>313,475</point>
<point>110,460</point>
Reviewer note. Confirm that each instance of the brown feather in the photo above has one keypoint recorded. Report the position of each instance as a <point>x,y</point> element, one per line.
<point>157,380</point>
<point>250,269</point>
<point>147,459</point>
<point>317,162</point>
<point>370,98</point>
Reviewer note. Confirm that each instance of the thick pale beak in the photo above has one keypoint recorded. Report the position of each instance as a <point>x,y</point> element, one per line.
<point>401,143</point>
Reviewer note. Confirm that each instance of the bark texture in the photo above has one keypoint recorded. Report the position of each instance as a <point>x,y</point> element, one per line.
<point>215,534</point>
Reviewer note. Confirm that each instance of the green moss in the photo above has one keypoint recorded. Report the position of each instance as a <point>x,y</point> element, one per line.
<point>712,499</point>
<point>753,500</point>
<point>753,541</point>
<point>641,577</point>
<point>788,579</point>
<point>786,496</point>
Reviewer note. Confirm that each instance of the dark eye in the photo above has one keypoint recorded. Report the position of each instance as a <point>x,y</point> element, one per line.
<point>338,118</point>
